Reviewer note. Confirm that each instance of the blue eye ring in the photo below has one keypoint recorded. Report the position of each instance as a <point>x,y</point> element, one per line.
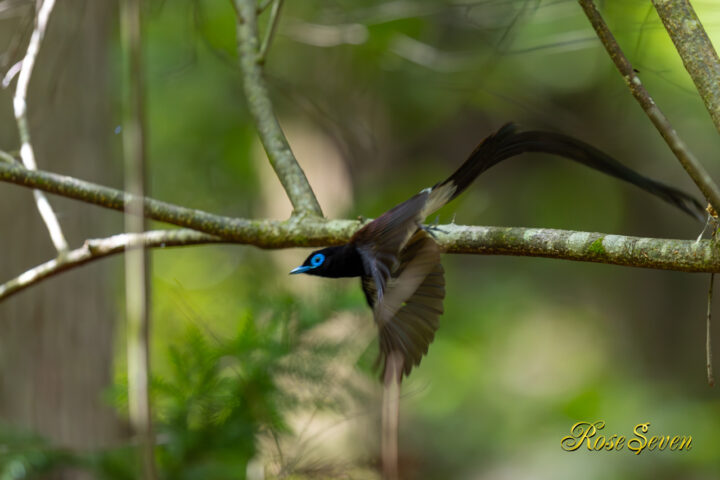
<point>317,259</point>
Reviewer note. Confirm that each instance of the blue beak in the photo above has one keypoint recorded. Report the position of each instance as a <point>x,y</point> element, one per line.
<point>300,269</point>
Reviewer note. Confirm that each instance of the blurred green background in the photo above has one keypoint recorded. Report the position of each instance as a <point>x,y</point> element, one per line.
<point>257,371</point>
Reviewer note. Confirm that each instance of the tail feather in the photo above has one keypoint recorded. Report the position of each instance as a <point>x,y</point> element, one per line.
<point>507,142</point>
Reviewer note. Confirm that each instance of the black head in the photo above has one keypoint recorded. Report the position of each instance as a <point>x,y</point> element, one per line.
<point>342,261</point>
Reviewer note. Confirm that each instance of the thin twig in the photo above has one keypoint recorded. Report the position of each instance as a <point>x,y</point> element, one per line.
<point>708,338</point>
<point>18,39</point>
<point>6,157</point>
<point>263,6</point>
<point>137,277</point>
<point>696,50</point>
<point>96,249</point>
<point>27,153</point>
<point>10,75</point>
<point>664,254</point>
<point>273,139</point>
<point>691,164</point>
<point>272,25</point>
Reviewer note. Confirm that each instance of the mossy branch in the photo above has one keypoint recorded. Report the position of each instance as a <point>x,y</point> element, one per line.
<point>696,50</point>
<point>273,139</point>
<point>663,254</point>
<point>95,249</point>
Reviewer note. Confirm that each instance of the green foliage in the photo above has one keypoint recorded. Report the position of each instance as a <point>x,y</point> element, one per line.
<point>216,401</point>
<point>220,394</point>
<point>23,453</point>
<point>214,397</point>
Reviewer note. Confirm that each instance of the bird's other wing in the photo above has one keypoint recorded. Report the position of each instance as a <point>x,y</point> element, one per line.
<point>380,242</point>
<point>408,314</point>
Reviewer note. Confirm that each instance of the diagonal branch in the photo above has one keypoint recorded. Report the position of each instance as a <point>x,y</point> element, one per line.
<point>27,153</point>
<point>272,138</point>
<point>95,249</point>
<point>239,230</point>
<point>692,165</point>
<point>696,50</point>
<point>6,157</point>
<point>272,25</point>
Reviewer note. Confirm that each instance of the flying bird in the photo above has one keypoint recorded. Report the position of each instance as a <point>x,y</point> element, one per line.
<point>398,261</point>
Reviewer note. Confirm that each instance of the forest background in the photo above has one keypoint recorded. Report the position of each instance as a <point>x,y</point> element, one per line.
<point>253,370</point>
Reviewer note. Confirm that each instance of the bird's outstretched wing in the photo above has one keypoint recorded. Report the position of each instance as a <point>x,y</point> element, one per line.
<point>381,241</point>
<point>403,279</point>
<point>408,314</point>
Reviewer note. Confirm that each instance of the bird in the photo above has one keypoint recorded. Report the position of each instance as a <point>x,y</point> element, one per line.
<point>398,260</point>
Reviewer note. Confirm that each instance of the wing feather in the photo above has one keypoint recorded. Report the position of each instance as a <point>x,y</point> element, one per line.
<point>381,241</point>
<point>408,314</point>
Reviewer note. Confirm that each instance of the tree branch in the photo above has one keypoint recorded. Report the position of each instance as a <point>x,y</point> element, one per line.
<point>263,233</point>
<point>708,336</point>
<point>6,157</point>
<point>272,25</point>
<point>27,153</point>
<point>263,5</point>
<point>276,146</point>
<point>692,165</point>
<point>663,254</point>
<point>696,50</point>
<point>95,249</point>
